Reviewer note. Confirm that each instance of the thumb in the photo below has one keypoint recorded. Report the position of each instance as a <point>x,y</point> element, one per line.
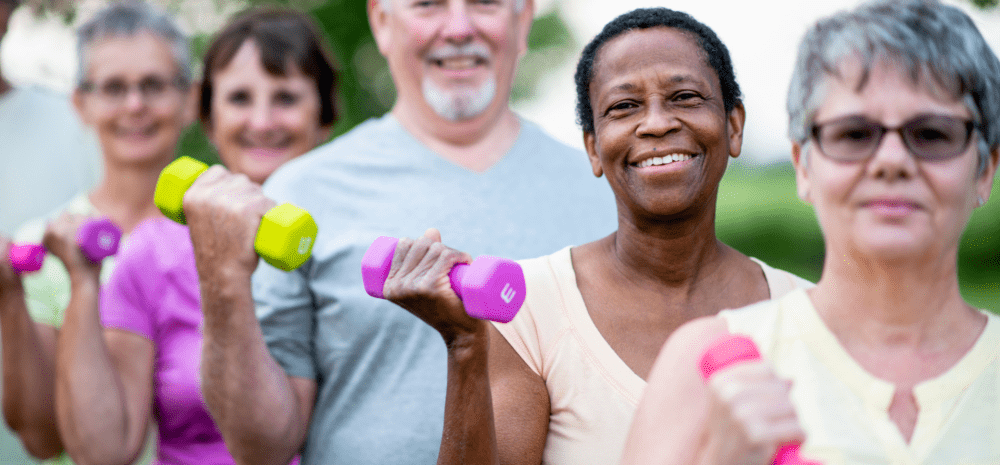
<point>433,234</point>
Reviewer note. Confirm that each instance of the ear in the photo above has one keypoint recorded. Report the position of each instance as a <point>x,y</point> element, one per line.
<point>378,21</point>
<point>80,106</point>
<point>590,142</point>
<point>737,117</point>
<point>525,18</point>
<point>985,183</point>
<point>801,172</point>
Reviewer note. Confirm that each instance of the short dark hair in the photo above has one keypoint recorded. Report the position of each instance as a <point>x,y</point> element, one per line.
<point>281,35</point>
<point>715,52</point>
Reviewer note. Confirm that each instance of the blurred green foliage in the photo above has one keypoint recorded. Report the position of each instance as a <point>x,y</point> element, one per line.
<point>759,213</point>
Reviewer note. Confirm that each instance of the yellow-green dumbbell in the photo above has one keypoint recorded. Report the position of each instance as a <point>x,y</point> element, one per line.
<point>286,234</point>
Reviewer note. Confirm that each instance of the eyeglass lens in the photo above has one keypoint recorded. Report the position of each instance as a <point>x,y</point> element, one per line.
<point>928,137</point>
<point>150,88</point>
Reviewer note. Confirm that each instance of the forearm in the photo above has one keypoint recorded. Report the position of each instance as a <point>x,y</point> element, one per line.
<point>469,433</point>
<point>90,396</point>
<point>247,392</point>
<point>28,377</point>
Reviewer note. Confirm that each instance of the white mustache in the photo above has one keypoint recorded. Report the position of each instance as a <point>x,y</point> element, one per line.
<point>447,51</point>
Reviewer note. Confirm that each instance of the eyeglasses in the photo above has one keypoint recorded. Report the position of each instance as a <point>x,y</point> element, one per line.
<point>152,89</point>
<point>927,137</point>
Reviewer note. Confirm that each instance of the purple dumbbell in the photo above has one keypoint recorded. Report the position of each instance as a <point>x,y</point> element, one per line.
<point>733,349</point>
<point>97,239</point>
<point>491,288</point>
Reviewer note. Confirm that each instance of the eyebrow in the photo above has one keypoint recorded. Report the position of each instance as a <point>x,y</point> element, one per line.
<point>675,79</point>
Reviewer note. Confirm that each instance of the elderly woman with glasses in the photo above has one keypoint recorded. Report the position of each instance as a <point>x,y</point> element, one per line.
<point>138,109</point>
<point>132,354</point>
<point>895,126</point>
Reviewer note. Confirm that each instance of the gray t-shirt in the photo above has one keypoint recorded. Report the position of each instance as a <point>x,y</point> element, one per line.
<point>381,372</point>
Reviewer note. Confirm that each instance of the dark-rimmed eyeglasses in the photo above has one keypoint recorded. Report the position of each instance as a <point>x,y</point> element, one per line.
<point>152,89</point>
<point>927,137</point>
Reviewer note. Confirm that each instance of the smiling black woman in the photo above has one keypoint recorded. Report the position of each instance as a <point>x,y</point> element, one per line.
<point>661,117</point>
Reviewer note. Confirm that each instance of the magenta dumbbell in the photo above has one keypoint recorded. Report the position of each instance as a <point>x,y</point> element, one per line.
<point>735,349</point>
<point>97,239</point>
<point>491,288</point>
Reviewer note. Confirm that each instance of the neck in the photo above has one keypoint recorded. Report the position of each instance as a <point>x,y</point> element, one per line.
<point>672,252</point>
<point>125,193</point>
<point>475,144</point>
<point>914,301</point>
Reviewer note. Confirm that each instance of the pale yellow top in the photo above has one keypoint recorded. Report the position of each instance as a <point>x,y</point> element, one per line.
<point>592,392</point>
<point>844,409</point>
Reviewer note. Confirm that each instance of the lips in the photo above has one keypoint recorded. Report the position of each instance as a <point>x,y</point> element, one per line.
<point>892,207</point>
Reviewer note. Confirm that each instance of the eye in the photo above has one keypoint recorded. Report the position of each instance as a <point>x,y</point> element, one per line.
<point>285,98</point>
<point>424,3</point>
<point>621,107</point>
<point>239,98</point>
<point>114,88</point>
<point>688,98</point>
<point>152,86</point>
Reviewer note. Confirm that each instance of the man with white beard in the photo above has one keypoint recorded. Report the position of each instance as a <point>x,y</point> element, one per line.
<point>323,369</point>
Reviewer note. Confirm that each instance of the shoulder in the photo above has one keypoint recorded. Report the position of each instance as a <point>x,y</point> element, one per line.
<point>34,229</point>
<point>155,244</point>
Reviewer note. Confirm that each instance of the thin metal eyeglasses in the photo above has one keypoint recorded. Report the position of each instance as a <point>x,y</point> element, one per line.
<point>927,137</point>
<point>152,89</point>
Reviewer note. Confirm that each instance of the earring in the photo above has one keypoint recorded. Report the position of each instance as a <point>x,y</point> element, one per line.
<point>981,201</point>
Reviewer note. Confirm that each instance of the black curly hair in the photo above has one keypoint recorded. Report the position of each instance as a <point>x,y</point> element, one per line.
<point>716,54</point>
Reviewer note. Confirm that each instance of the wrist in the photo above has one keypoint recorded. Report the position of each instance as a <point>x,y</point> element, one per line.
<point>469,345</point>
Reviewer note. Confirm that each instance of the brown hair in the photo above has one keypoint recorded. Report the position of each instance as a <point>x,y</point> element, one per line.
<point>282,35</point>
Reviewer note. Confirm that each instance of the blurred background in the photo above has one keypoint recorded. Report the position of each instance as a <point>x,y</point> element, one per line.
<point>759,212</point>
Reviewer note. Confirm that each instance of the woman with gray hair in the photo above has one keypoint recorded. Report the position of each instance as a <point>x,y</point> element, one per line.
<point>134,90</point>
<point>895,126</point>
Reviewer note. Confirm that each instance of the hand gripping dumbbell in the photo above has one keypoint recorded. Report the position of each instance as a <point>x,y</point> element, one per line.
<point>286,233</point>
<point>97,238</point>
<point>735,349</point>
<point>491,288</point>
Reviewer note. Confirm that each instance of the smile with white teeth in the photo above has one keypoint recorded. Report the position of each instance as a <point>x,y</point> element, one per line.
<point>458,62</point>
<point>656,161</point>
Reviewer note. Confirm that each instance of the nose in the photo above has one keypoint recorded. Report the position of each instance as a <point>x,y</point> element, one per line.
<point>892,160</point>
<point>134,100</point>
<point>458,25</point>
<point>657,121</point>
<point>261,117</point>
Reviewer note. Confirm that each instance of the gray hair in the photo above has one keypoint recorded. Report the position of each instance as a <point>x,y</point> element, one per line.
<point>387,5</point>
<point>127,19</point>
<point>922,37</point>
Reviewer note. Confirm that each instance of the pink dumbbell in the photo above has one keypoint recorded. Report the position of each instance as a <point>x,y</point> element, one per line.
<point>97,239</point>
<point>735,349</point>
<point>491,288</point>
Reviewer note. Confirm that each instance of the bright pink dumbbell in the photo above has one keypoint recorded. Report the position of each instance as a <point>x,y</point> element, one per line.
<point>735,349</point>
<point>97,239</point>
<point>491,288</point>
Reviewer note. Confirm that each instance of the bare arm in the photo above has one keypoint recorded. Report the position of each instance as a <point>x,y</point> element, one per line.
<point>104,380</point>
<point>740,417</point>
<point>28,368</point>
<point>484,372</point>
<point>262,412</point>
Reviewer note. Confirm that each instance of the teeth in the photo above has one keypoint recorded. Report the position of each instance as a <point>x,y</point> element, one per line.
<point>457,63</point>
<point>656,161</point>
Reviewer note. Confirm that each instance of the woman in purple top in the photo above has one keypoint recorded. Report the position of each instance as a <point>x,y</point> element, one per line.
<point>267,97</point>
